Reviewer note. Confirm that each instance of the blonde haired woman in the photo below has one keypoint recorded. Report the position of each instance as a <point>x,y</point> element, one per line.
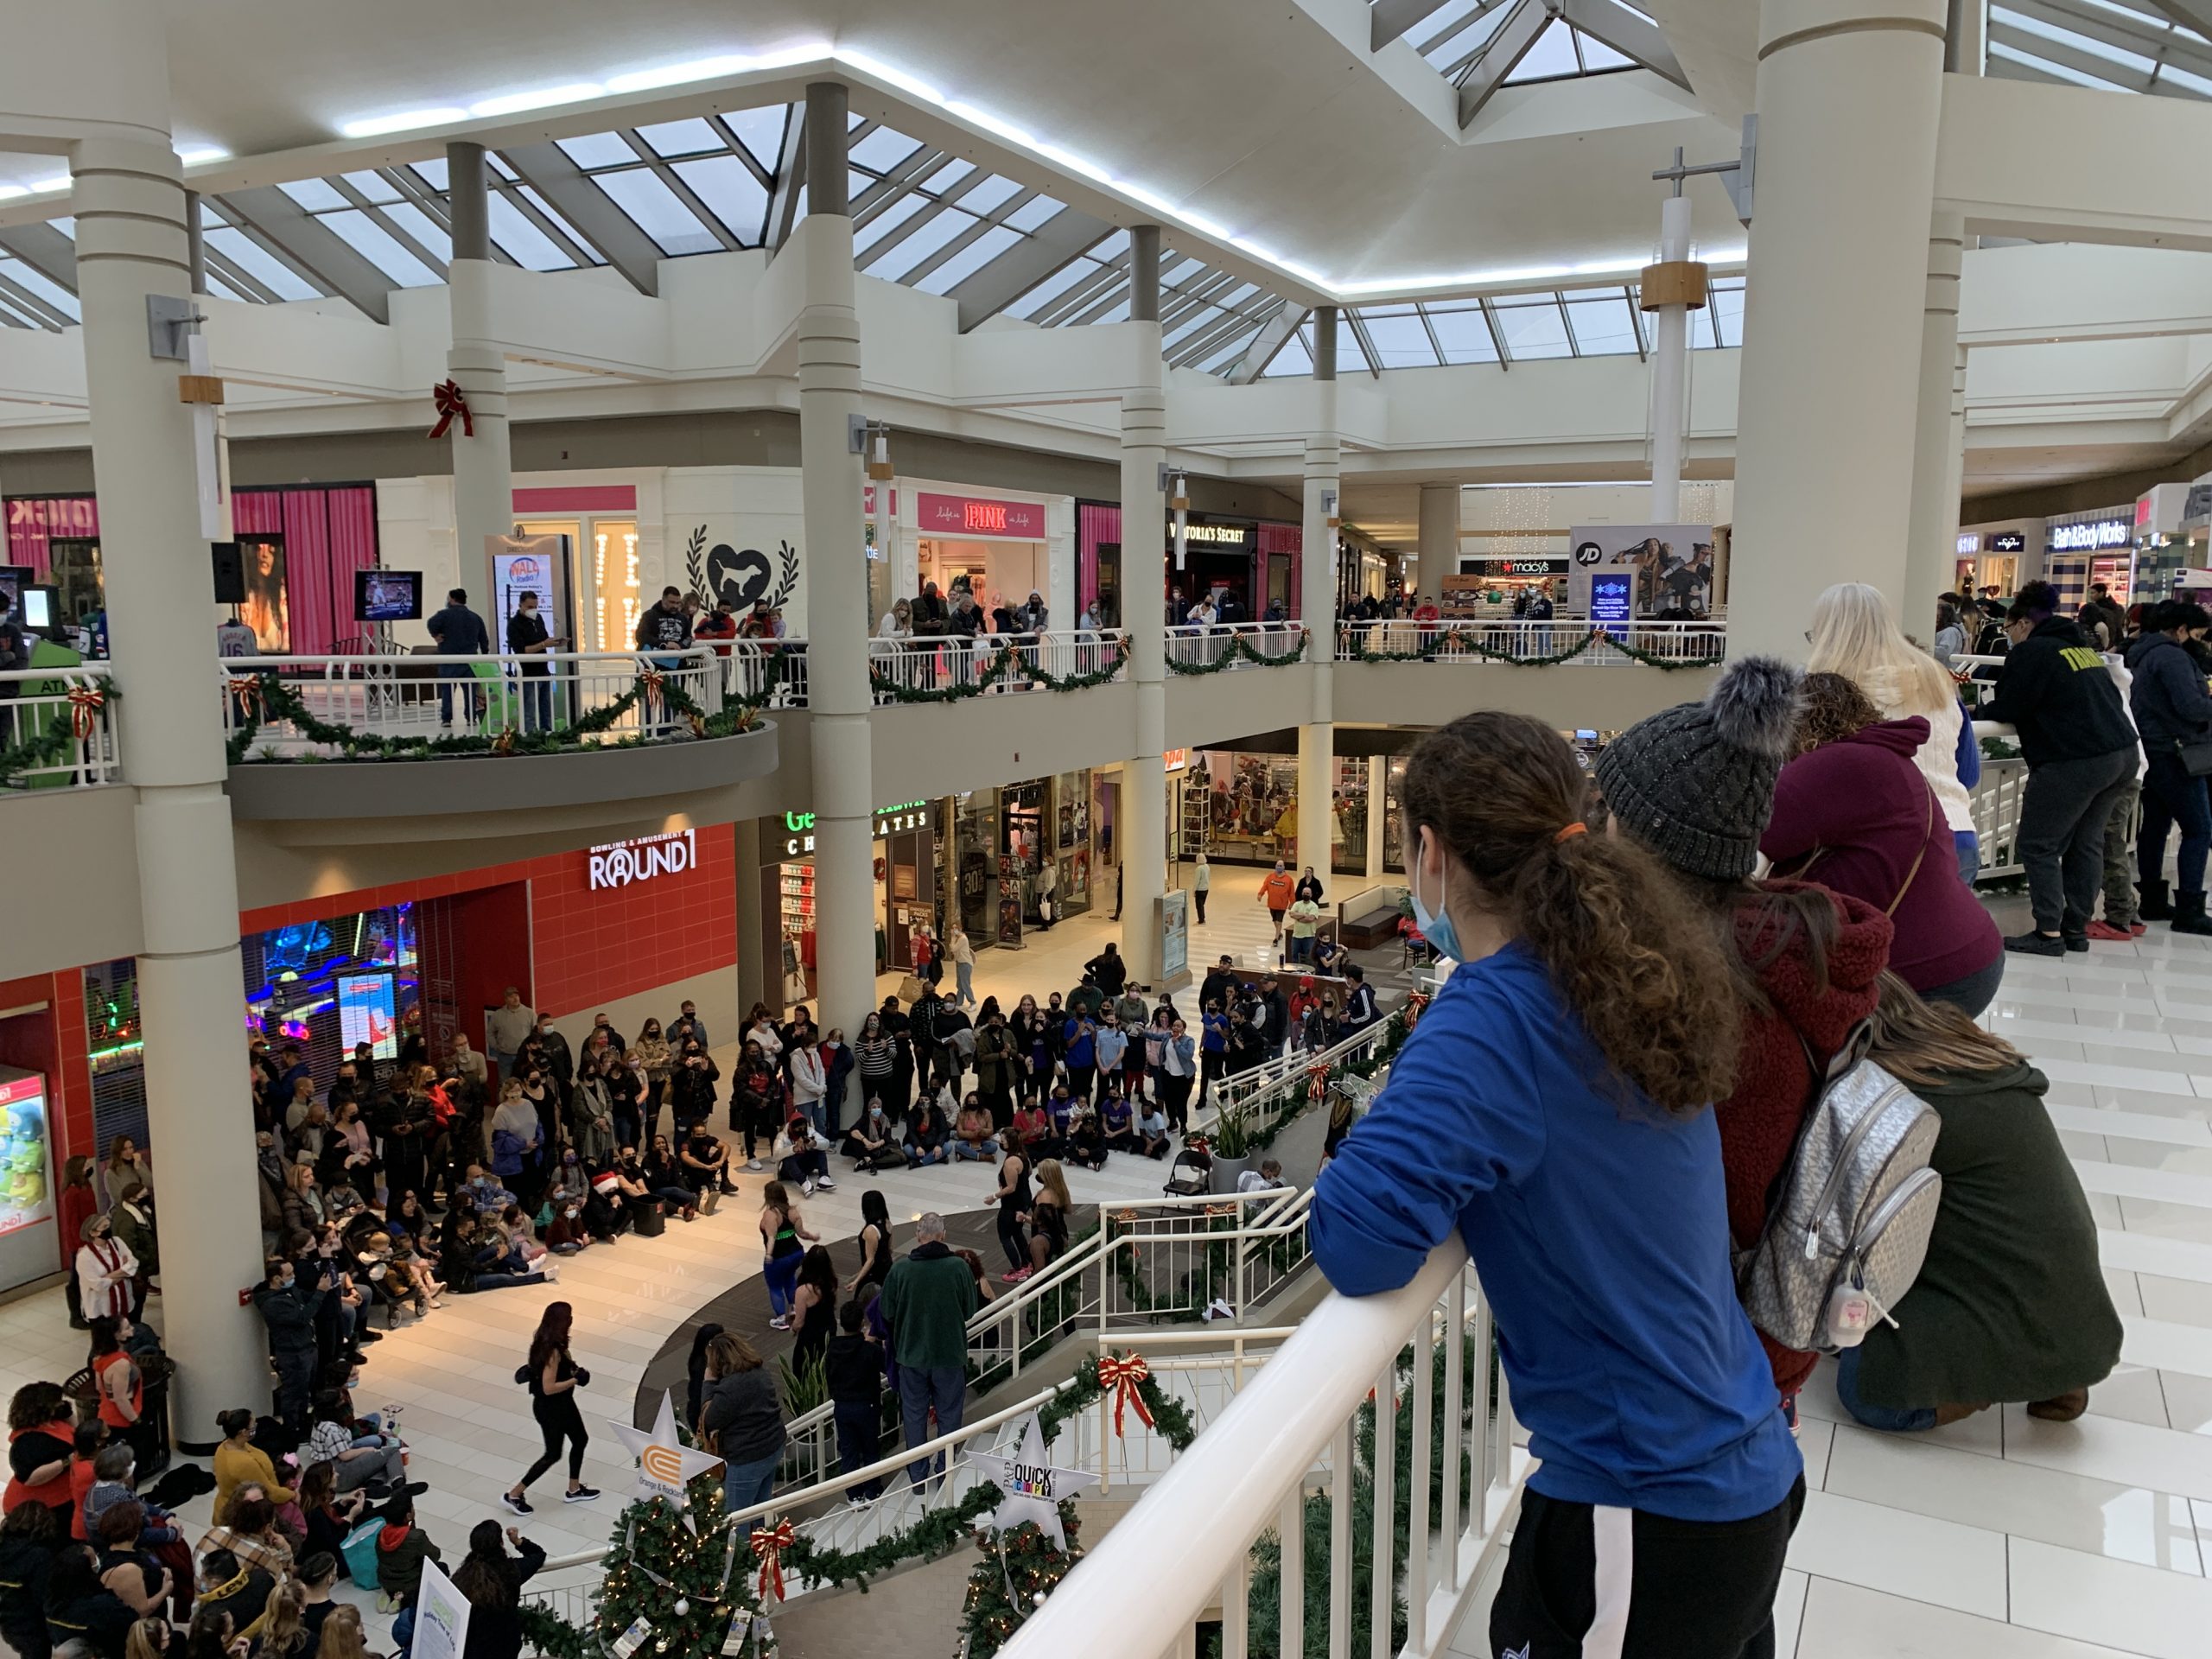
<point>1854,635</point>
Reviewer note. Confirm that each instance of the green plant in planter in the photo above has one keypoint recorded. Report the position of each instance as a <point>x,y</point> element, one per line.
<point>1232,1132</point>
<point>804,1387</point>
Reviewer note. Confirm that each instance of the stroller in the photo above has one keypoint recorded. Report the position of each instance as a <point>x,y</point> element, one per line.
<point>1190,1175</point>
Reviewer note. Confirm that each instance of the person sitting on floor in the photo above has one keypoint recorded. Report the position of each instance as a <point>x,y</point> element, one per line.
<point>1151,1131</point>
<point>1118,1123</point>
<point>973,1141</point>
<point>2009,1304</point>
<point>926,1135</point>
<point>871,1143</point>
<point>1086,1141</point>
<point>801,1158</point>
<point>1035,1127</point>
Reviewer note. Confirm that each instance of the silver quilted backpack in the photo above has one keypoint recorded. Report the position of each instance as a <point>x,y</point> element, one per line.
<point>1849,1226</point>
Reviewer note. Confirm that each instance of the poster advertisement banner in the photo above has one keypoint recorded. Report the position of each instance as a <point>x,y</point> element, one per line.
<point>366,1014</point>
<point>528,564</point>
<point>266,610</point>
<point>1670,567</point>
<point>27,1243</point>
<point>441,1617</point>
<point>1174,936</point>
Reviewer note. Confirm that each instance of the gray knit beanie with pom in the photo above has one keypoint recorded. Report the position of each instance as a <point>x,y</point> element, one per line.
<point>1695,783</point>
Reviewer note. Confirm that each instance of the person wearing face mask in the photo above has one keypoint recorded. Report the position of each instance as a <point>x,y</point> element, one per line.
<point>289,1309</point>
<point>1551,1114</point>
<point>528,638</point>
<point>107,1273</point>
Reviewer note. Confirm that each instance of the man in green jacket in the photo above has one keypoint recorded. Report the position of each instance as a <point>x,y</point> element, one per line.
<point>929,1297</point>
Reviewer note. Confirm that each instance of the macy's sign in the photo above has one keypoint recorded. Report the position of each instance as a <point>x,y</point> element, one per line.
<point>624,863</point>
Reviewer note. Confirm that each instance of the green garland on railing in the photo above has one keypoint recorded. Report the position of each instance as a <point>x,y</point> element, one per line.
<point>267,698</point>
<point>1194,1299</point>
<point>1394,1024</point>
<point>1008,665</point>
<point>938,1532</point>
<point>1461,642</point>
<point>49,747</point>
<point>1238,647</point>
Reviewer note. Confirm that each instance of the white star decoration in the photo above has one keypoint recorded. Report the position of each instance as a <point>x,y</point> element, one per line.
<point>1031,1489</point>
<point>665,1465</point>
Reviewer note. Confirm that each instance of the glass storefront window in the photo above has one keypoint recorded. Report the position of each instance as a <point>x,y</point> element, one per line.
<point>1394,851</point>
<point>1348,847</point>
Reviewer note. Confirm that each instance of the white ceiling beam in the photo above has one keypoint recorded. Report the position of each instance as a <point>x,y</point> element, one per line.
<point>1060,240</point>
<point>2190,14</point>
<point>311,247</point>
<point>791,176</point>
<point>1515,38</point>
<point>547,169</point>
<point>1273,335</point>
<point>1628,34</point>
<point>1387,20</point>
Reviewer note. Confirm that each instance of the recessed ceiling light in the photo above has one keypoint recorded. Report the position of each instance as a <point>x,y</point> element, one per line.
<point>203,155</point>
<point>45,185</point>
<point>375,126</point>
<point>676,75</point>
<point>537,98</point>
<point>8,191</point>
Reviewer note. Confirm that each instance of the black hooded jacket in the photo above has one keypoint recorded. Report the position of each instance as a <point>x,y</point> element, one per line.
<point>2054,688</point>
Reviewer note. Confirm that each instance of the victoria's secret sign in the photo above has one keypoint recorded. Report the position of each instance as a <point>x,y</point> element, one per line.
<point>973,515</point>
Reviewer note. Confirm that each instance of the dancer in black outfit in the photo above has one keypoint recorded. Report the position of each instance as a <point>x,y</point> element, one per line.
<point>554,1377</point>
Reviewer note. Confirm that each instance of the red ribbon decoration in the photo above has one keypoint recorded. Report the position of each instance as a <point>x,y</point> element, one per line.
<point>769,1544</point>
<point>1317,1081</point>
<point>1191,1143</point>
<point>1415,1004</point>
<point>84,701</point>
<point>652,679</point>
<point>1123,1376</point>
<point>450,401</point>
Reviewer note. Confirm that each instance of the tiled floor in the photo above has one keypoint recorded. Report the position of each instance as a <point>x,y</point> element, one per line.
<point>1998,1536</point>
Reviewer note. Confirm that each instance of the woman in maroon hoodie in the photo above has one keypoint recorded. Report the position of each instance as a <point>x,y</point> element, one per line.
<point>1695,784</point>
<point>1852,812</point>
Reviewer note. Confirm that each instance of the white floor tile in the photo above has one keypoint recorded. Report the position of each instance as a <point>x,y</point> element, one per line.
<point>1789,1611</point>
<point>1845,1621</point>
<point>2091,1599</point>
<point>1904,1554</point>
<point>2168,1345</point>
<point>2108,1449</point>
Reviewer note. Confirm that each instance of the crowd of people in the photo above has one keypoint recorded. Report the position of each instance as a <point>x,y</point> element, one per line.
<point>1606,1100</point>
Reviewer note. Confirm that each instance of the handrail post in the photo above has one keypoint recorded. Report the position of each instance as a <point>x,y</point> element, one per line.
<point>1455,1323</point>
<point>1382,1582</point>
<point>1340,1501</point>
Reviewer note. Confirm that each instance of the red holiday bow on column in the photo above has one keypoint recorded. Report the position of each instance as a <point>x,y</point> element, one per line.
<point>450,401</point>
<point>1317,1081</point>
<point>1123,1376</point>
<point>769,1544</point>
<point>85,701</point>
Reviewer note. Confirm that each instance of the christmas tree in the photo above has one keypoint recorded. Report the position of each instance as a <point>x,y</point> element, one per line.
<point>1020,1566</point>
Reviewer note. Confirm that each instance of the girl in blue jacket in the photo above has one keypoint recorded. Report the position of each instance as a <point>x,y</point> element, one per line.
<point>1552,1108</point>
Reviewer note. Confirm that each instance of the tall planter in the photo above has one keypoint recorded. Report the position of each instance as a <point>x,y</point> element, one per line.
<point>1226,1172</point>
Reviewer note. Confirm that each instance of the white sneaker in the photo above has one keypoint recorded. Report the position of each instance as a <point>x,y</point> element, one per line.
<point>550,1268</point>
<point>753,1164</point>
<point>826,1185</point>
<point>806,1187</point>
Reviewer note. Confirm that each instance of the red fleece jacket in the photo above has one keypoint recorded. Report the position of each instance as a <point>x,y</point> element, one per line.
<point>1759,1122</point>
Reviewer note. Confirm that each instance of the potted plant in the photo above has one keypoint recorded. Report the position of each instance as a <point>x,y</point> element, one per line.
<point>1231,1145</point>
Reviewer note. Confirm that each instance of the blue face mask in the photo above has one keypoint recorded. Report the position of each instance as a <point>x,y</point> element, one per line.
<point>1435,926</point>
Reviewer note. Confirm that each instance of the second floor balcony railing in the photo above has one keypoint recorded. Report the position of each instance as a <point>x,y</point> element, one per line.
<point>993,664</point>
<point>1574,640</point>
<point>1196,645</point>
<point>329,706</point>
<point>58,727</point>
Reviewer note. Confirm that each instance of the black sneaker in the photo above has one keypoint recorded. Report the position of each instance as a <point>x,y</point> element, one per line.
<point>2075,940</point>
<point>364,1335</point>
<point>582,1495</point>
<point>2039,945</point>
<point>519,1505</point>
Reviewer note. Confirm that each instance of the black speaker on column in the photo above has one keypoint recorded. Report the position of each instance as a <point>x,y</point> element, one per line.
<point>230,573</point>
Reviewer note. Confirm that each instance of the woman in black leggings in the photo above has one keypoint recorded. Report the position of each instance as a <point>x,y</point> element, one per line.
<point>554,1377</point>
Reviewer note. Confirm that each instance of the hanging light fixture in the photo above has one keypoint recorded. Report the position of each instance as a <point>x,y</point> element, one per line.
<point>1180,500</point>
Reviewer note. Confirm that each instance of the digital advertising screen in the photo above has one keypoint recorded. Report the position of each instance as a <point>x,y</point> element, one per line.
<point>367,1013</point>
<point>1612,600</point>
<point>29,1248</point>
<point>387,595</point>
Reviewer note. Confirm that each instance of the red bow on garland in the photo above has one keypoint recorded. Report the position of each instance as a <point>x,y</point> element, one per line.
<point>449,400</point>
<point>1191,1143</point>
<point>84,701</point>
<point>769,1544</point>
<point>253,700</point>
<point>1317,1081</point>
<point>1415,1004</point>
<point>1122,1376</point>
<point>652,679</point>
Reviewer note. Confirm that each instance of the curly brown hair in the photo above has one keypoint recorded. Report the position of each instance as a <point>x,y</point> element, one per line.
<point>1641,968</point>
<point>1834,708</point>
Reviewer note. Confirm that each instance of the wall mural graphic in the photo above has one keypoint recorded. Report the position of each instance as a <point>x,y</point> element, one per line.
<point>740,575</point>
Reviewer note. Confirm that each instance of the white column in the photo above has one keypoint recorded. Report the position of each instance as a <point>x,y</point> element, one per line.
<point>1318,570</point>
<point>483,465</point>
<point>131,244</point>
<point>1144,599</point>
<point>1849,94</point>
<point>1935,532</point>
<point>1670,353</point>
<point>1439,535</point>
<point>838,623</point>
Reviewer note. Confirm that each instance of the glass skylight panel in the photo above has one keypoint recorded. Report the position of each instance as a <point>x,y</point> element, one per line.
<point>1551,58</point>
<point>761,132</point>
<point>561,224</point>
<point>657,211</point>
<point>373,186</point>
<point>222,290</point>
<point>498,164</point>
<point>1463,333</point>
<point>731,193</point>
<point>1238,295</point>
<point>969,260</point>
<point>1111,249</point>
<point>1460,42</point>
<point>521,240</point>
<point>1400,340</point>
<point>265,268</point>
<point>2078,41</point>
<point>987,193</point>
<point>1603,324</point>
<point>880,225</point>
<point>1294,359</point>
<point>316,196</point>
<point>1183,271</point>
<point>1119,312</point>
<point>2201,85</point>
<point>883,149</point>
<point>432,171</point>
<point>420,225</point>
<point>1728,308</point>
<point>926,238</point>
<point>1054,285</point>
<point>1532,326</point>
<point>1596,55</point>
<point>2000,51</point>
<point>694,135</point>
<point>858,184</point>
<point>52,292</point>
<point>1205,315</point>
<point>380,248</point>
<point>1445,19</point>
<point>943,178</point>
<point>599,150</point>
<point>1036,212</point>
<point>1229,354</point>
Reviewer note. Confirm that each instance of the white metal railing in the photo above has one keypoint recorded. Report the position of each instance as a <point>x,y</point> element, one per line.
<point>935,662</point>
<point>1275,1090</point>
<point>770,670</point>
<point>1203,644</point>
<point>1201,1367</point>
<point>58,704</point>
<point>1996,804</point>
<point>1296,1425</point>
<point>429,698</point>
<point>1455,639</point>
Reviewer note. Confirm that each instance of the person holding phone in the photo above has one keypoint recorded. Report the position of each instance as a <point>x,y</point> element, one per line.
<point>527,637</point>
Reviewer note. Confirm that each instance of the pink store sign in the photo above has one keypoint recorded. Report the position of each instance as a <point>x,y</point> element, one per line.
<point>972,515</point>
